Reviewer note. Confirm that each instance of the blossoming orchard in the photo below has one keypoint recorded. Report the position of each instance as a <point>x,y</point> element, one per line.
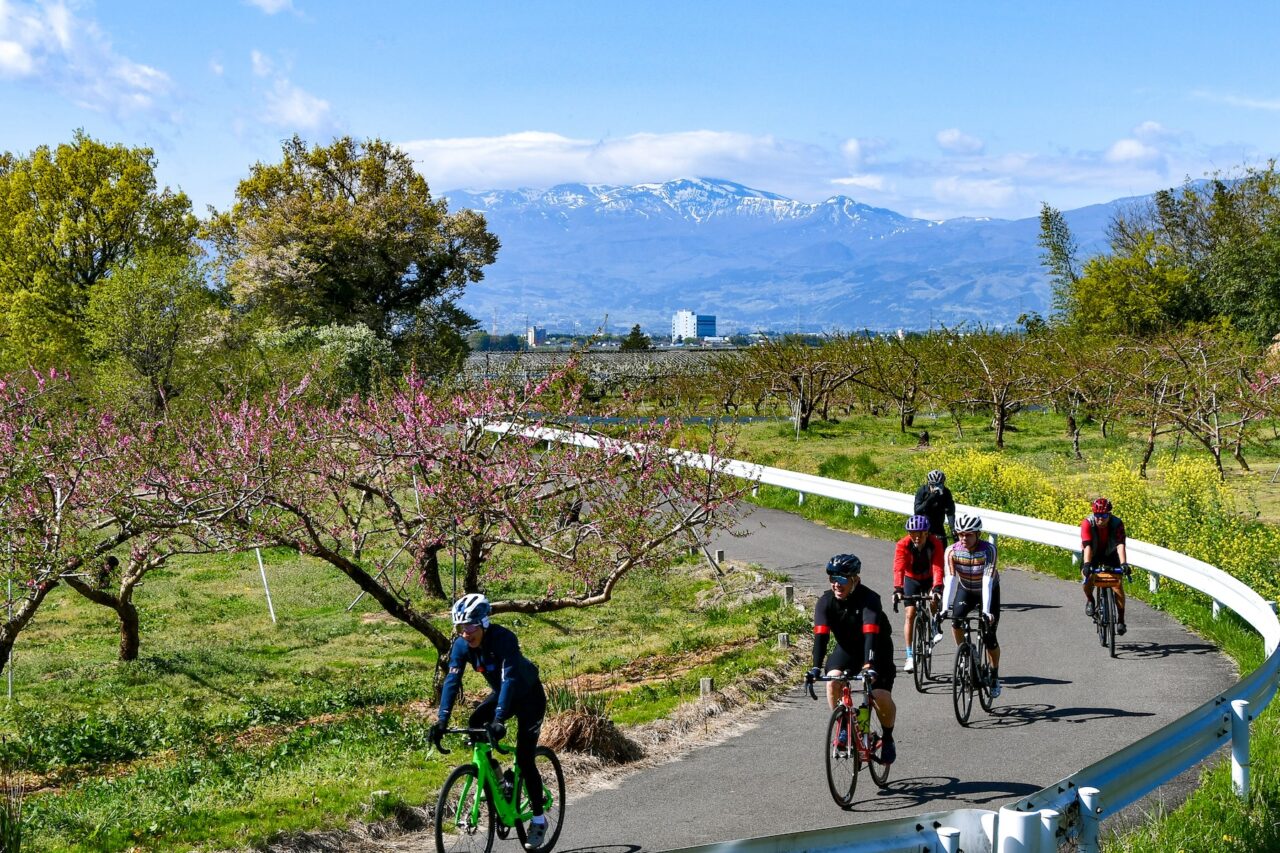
<point>377,488</point>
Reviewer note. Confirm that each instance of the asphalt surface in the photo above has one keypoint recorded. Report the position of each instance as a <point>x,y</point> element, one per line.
<point>1065,705</point>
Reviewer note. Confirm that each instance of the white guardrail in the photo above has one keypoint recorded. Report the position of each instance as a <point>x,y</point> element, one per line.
<point>1072,809</point>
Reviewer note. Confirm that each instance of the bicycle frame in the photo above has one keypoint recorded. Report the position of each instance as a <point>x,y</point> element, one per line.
<point>853,734</point>
<point>505,809</point>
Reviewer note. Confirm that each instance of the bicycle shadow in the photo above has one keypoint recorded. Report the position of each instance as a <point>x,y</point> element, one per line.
<point>1017,682</point>
<point>918,791</point>
<point>1023,608</point>
<point>1145,650</point>
<point>608,848</point>
<point>1014,716</point>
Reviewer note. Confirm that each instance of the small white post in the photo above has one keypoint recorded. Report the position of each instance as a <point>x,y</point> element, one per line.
<point>1075,558</point>
<point>949,839</point>
<point>1217,609</point>
<point>1017,832</point>
<point>857,510</point>
<point>1153,582</point>
<point>1240,718</point>
<point>706,686</point>
<point>1090,819</point>
<point>1049,830</point>
<point>995,540</point>
<point>719,556</point>
<point>788,595</point>
<point>784,641</point>
<point>800,498</point>
<point>262,570</point>
<point>755,491</point>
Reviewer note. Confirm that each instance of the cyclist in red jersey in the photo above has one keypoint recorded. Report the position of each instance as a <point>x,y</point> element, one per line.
<point>1102,549</point>
<point>917,570</point>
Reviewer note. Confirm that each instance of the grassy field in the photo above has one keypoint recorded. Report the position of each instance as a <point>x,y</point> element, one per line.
<point>230,730</point>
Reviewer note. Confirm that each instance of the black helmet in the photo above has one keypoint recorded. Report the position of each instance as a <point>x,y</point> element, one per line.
<point>844,565</point>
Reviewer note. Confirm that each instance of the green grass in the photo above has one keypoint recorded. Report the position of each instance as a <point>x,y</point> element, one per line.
<point>229,730</point>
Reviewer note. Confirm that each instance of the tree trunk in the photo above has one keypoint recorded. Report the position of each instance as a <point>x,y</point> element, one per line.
<point>429,572</point>
<point>130,638</point>
<point>475,559</point>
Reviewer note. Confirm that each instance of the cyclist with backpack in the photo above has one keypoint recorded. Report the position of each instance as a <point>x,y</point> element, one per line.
<point>1103,550</point>
<point>917,570</point>
<point>854,616</point>
<point>494,652</point>
<point>972,581</point>
<point>934,502</point>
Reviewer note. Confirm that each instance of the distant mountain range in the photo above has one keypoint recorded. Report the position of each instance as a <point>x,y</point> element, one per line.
<point>574,253</point>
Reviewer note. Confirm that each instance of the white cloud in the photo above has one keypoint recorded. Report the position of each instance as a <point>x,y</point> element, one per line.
<point>48,44</point>
<point>974,193</point>
<point>295,109</point>
<point>262,65</point>
<point>15,61</point>
<point>1133,152</point>
<point>272,7</point>
<point>1246,102</point>
<point>862,182</point>
<point>535,158</point>
<point>956,141</point>
<point>216,67</point>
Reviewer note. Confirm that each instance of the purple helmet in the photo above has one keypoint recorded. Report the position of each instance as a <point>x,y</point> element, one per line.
<point>917,522</point>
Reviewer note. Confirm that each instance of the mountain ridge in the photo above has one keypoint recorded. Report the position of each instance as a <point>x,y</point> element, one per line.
<point>576,252</point>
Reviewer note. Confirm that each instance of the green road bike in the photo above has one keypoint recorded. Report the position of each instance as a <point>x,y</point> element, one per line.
<point>479,800</point>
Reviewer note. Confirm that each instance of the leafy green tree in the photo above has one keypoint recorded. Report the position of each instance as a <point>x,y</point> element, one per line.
<point>68,215</point>
<point>149,321</point>
<point>1059,257</point>
<point>349,234</point>
<point>636,341</point>
<point>1130,293</point>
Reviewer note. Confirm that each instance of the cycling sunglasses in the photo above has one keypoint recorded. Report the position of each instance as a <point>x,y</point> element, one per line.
<point>840,579</point>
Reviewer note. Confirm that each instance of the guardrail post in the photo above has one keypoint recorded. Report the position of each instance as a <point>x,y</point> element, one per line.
<point>1153,582</point>
<point>1049,830</point>
<point>755,491</point>
<point>995,538</point>
<point>800,498</point>
<point>1217,609</point>
<point>857,510</point>
<point>1076,557</point>
<point>1240,718</point>
<point>1090,820</point>
<point>1017,832</point>
<point>949,839</point>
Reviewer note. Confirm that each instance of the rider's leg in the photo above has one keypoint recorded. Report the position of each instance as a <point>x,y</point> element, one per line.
<point>529,716</point>
<point>886,710</point>
<point>908,630</point>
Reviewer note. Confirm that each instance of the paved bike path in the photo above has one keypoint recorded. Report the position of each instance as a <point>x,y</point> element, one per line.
<point>1065,705</point>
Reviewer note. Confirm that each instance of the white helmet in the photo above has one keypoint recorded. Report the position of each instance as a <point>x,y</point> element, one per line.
<point>966,523</point>
<point>936,478</point>
<point>472,609</point>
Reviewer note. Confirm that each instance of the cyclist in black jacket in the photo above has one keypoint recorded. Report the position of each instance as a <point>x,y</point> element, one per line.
<point>854,616</point>
<point>494,652</point>
<point>934,502</point>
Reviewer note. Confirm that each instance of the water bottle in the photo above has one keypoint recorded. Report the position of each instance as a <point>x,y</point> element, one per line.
<point>864,718</point>
<point>508,782</point>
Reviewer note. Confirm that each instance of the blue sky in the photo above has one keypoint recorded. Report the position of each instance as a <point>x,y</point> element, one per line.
<point>932,109</point>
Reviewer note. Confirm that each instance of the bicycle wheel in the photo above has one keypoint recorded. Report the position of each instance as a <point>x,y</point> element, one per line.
<point>843,762</point>
<point>928,649</point>
<point>1109,596</point>
<point>982,675</point>
<point>1100,616</point>
<point>464,815</point>
<point>962,683</point>
<point>552,800</point>
<point>872,738</point>
<point>920,647</point>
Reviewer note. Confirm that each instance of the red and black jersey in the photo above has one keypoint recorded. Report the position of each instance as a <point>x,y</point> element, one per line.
<point>923,564</point>
<point>1104,537</point>
<point>858,623</point>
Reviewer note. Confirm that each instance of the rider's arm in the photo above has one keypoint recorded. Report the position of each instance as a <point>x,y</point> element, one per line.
<point>922,499</point>
<point>1121,551</point>
<point>821,632</point>
<point>901,560</point>
<point>990,577</point>
<point>871,611</point>
<point>1086,542</point>
<point>937,560</point>
<point>453,679</point>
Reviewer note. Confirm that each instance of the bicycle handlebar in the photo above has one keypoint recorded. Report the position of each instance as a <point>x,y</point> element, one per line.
<point>911,600</point>
<point>477,735</point>
<point>861,677</point>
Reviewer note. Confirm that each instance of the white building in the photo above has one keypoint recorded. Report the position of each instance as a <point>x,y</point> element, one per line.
<point>536,336</point>
<point>688,326</point>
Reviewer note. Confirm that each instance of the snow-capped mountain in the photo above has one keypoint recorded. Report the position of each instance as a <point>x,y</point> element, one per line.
<point>574,253</point>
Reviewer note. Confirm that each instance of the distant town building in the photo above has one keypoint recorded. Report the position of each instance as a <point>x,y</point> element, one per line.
<point>537,336</point>
<point>686,325</point>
